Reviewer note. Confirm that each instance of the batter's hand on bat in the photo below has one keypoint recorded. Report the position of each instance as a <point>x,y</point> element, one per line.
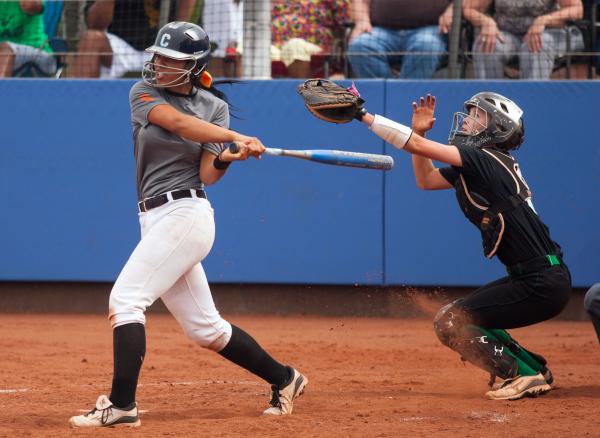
<point>423,119</point>
<point>255,147</point>
<point>241,150</point>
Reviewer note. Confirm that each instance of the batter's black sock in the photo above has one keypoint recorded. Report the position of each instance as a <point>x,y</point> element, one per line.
<point>129,345</point>
<point>244,351</point>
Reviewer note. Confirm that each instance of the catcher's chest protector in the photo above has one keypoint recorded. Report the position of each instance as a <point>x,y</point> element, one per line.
<point>486,216</point>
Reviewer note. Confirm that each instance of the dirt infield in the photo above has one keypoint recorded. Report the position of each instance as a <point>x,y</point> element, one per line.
<point>369,377</point>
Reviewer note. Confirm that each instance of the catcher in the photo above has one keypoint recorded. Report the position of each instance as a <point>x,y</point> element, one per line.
<point>494,196</point>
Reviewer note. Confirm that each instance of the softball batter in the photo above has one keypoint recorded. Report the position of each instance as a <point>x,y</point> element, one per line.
<point>179,128</point>
<point>493,195</point>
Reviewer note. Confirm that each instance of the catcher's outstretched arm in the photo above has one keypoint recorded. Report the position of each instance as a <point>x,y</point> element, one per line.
<point>403,137</point>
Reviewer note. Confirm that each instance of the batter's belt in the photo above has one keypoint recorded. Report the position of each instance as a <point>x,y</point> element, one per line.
<point>535,264</point>
<point>158,200</point>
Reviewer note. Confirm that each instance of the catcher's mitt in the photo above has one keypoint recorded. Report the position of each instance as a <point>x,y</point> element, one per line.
<point>331,102</point>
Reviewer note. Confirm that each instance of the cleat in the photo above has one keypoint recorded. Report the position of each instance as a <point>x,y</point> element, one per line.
<point>497,385</point>
<point>548,376</point>
<point>105,414</point>
<point>501,384</point>
<point>519,387</point>
<point>282,399</point>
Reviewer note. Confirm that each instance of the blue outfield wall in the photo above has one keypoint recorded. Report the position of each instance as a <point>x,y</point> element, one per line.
<point>69,213</point>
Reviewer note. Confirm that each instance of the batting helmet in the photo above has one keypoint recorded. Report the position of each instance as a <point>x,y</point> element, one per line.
<point>504,126</point>
<point>182,41</point>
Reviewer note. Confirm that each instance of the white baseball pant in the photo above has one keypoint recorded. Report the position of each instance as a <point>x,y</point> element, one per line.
<point>165,264</point>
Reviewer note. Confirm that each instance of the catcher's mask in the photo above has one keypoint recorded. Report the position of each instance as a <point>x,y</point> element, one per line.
<point>491,119</point>
<point>181,41</point>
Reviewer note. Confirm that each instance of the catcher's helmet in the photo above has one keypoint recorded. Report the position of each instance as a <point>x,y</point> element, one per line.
<point>504,126</point>
<point>182,41</point>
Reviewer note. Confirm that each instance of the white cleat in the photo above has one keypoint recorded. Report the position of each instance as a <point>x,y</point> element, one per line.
<point>497,385</point>
<point>282,400</point>
<point>522,386</point>
<point>105,414</point>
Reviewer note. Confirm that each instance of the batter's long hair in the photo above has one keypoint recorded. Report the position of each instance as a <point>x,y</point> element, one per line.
<point>221,94</point>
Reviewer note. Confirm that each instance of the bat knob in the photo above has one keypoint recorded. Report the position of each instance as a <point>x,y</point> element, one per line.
<point>234,148</point>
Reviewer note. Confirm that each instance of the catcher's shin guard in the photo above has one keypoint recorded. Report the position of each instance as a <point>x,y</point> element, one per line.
<point>474,343</point>
<point>482,349</point>
<point>537,362</point>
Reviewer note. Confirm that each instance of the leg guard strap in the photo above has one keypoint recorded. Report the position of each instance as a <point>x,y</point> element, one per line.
<point>535,361</point>
<point>484,350</point>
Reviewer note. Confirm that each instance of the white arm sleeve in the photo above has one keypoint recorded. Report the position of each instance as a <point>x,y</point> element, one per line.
<point>392,132</point>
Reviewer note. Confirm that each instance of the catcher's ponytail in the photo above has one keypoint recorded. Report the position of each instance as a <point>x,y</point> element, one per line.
<point>515,140</point>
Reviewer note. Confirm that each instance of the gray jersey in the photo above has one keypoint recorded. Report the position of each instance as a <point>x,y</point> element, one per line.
<point>165,161</point>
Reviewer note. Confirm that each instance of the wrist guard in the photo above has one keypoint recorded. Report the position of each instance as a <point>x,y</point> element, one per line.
<point>392,132</point>
<point>219,164</point>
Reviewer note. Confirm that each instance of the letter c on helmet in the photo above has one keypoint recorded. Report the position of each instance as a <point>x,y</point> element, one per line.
<point>164,41</point>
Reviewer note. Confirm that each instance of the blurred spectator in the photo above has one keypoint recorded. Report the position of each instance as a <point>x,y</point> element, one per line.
<point>22,37</point>
<point>118,32</point>
<point>383,28</point>
<point>302,28</point>
<point>223,21</point>
<point>535,31</point>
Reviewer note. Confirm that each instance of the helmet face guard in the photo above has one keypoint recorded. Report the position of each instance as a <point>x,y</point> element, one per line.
<point>177,76</point>
<point>179,41</point>
<point>469,125</point>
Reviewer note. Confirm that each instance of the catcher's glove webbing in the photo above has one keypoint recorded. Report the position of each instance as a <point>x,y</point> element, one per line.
<point>331,102</point>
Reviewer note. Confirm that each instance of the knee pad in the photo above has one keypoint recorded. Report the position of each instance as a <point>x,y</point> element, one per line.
<point>446,323</point>
<point>213,336</point>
